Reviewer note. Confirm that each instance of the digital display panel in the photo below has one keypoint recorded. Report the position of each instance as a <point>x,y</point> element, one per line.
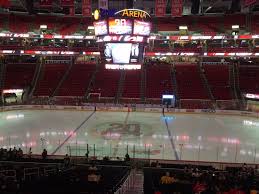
<point>120,26</point>
<point>123,53</point>
<point>100,28</point>
<point>142,28</point>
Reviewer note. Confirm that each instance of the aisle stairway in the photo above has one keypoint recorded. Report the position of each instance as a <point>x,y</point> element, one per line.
<point>138,184</point>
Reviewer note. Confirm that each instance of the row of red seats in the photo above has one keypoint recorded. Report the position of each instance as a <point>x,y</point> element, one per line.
<point>19,75</point>
<point>218,80</point>
<point>132,84</point>
<point>209,25</point>
<point>158,80</point>
<point>68,25</point>
<point>249,79</point>
<point>49,79</point>
<point>77,81</point>
<point>189,82</point>
<point>60,25</point>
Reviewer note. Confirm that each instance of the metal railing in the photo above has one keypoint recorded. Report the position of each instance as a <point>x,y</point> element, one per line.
<point>127,184</point>
<point>229,152</point>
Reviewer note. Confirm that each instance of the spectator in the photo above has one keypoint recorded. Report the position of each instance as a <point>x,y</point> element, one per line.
<point>87,155</point>
<point>1,153</point>
<point>14,153</point>
<point>29,153</point>
<point>44,154</point>
<point>127,157</point>
<point>10,154</point>
<point>19,153</point>
<point>167,179</point>
<point>93,168</point>
<point>199,187</point>
<point>67,161</point>
<point>106,158</point>
<point>92,177</point>
<point>157,164</point>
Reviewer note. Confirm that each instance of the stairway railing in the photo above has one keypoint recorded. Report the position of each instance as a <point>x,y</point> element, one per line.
<point>54,93</point>
<point>175,86</point>
<point>143,84</point>
<point>36,76</point>
<point>120,86</point>
<point>206,84</point>
<point>91,83</point>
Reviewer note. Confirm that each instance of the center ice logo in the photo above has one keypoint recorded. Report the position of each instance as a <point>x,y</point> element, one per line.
<point>119,130</point>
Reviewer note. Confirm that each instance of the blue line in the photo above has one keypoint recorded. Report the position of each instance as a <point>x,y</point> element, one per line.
<point>75,130</point>
<point>171,139</point>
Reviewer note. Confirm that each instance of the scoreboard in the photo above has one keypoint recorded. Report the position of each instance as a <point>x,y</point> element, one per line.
<point>117,26</point>
<point>120,26</point>
<point>123,37</point>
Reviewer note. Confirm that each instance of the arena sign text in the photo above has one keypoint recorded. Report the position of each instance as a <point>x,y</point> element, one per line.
<point>129,13</point>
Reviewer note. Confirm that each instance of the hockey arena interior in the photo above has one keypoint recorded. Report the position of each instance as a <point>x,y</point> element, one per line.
<point>129,96</point>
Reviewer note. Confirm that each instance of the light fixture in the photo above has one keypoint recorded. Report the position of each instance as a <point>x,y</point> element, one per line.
<point>43,27</point>
<point>90,28</point>
<point>234,27</point>
<point>183,28</point>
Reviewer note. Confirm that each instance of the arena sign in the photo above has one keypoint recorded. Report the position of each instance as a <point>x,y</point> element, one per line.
<point>121,38</point>
<point>129,13</point>
<point>133,13</point>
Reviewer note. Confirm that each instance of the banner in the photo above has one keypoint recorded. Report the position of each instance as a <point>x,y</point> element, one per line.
<point>160,8</point>
<point>72,11</point>
<point>45,3</point>
<point>177,8</point>
<point>67,3</point>
<point>5,3</point>
<point>103,4</point>
<point>86,8</point>
<point>249,2</point>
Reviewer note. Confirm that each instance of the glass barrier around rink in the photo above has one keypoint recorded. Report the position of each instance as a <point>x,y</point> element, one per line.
<point>232,153</point>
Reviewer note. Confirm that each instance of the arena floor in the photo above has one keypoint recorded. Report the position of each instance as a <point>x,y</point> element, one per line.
<point>147,135</point>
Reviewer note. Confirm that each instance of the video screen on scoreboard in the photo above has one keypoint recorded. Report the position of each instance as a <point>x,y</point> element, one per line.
<point>100,28</point>
<point>142,28</point>
<point>120,26</point>
<point>123,53</point>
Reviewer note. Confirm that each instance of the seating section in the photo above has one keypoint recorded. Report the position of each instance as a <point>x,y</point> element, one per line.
<point>209,25</point>
<point>132,84</point>
<point>189,82</point>
<point>31,23</point>
<point>106,82</point>
<point>22,174</point>
<point>249,79</point>
<point>186,179</point>
<point>75,180</point>
<point>158,80</point>
<point>19,75</point>
<point>77,81</point>
<point>50,76</point>
<point>218,79</point>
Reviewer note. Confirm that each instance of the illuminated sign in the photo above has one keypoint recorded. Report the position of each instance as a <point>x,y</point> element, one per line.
<point>100,28</point>
<point>252,96</point>
<point>120,26</point>
<point>127,67</point>
<point>104,13</point>
<point>142,28</point>
<point>130,13</point>
<point>9,91</point>
<point>96,14</point>
<point>122,38</point>
<point>133,13</point>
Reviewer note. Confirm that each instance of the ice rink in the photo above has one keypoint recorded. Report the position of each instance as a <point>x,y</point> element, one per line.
<point>146,135</point>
